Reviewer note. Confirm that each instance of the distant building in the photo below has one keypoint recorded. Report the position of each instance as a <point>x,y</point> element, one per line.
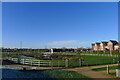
<point>102,46</point>
<point>116,47</point>
<point>111,44</point>
<point>93,47</point>
<point>97,46</point>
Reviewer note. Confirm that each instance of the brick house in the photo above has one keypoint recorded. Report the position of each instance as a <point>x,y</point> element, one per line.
<point>97,46</point>
<point>93,47</point>
<point>111,44</point>
<point>103,46</point>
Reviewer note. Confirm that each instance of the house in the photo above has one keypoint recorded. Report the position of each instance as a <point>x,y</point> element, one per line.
<point>93,47</point>
<point>97,46</point>
<point>103,46</point>
<point>111,44</point>
<point>116,47</point>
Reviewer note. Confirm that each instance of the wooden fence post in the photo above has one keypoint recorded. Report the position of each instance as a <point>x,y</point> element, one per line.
<point>23,61</point>
<point>58,63</point>
<point>39,63</point>
<point>66,63</point>
<point>51,64</point>
<point>107,69</point>
<point>80,62</point>
<point>113,61</point>
<point>118,63</point>
<point>31,62</point>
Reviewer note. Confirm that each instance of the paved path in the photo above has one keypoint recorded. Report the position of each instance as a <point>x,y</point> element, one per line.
<point>92,74</point>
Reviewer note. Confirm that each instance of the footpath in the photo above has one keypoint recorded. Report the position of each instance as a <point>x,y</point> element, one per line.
<point>93,74</point>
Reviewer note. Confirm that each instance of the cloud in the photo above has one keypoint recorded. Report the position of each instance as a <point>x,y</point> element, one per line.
<point>69,43</point>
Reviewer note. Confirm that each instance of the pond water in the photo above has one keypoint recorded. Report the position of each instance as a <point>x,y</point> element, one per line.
<point>10,67</point>
<point>24,57</point>
<point>13,73</point>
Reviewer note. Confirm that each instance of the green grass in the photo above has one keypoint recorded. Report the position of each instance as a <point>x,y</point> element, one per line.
<point>64,74</point>
<point>103,53</point>
<point>105,68</point>
<point>96,60</point>
<point>113,74</point>
<point>0,55</point>
<point>3,55</point>
<point>88,60</point>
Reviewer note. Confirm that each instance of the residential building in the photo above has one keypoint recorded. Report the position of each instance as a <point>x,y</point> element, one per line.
<point>102,46</point>
<point>97,46</point>
<point>111,44</point>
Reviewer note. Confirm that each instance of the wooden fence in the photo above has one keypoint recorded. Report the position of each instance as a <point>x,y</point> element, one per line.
<point>63,63</point>
<point>100,55</point>
<point>31,62</point>
<point>39,63</point>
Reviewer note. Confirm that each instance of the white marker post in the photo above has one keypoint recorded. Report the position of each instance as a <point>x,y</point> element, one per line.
<point>51,50</point>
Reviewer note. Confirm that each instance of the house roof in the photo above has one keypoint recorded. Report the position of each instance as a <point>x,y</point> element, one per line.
<point>105,43</point>
<point>116,45</point>
<point>114,42</point>
<point>98,43</point>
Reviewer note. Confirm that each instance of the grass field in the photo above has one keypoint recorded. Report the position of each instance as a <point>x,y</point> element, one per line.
<point>88,61</point>
<point>64,74</point>
<point>103,52</point>
<point>3,55</point>
<point>96,60</point>
<point>105,68</point>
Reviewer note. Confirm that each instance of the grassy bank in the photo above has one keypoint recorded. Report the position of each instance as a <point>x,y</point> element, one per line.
<point>105,68</point>
<point>64,74</point>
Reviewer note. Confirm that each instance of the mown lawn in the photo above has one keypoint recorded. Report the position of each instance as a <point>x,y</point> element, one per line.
<point>103,52</point>
<point>3,55</point>
<point>105,68</point>
<point>88,61</point>
<point>95,60</point>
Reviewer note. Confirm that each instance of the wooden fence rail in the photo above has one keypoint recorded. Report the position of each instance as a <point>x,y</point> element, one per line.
<point>100,55</point>
<point>63,63</point>
<point>30,61</point>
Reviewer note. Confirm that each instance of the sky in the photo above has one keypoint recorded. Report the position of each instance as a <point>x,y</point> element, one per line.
<point>58,24</point>
<point>60,0</point>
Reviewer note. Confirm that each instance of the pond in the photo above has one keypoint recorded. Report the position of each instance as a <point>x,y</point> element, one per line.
<point>13,73</point>
<point>25,57</point>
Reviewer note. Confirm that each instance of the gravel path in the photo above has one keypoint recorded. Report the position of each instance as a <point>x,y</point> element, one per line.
<point>92,74</point>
